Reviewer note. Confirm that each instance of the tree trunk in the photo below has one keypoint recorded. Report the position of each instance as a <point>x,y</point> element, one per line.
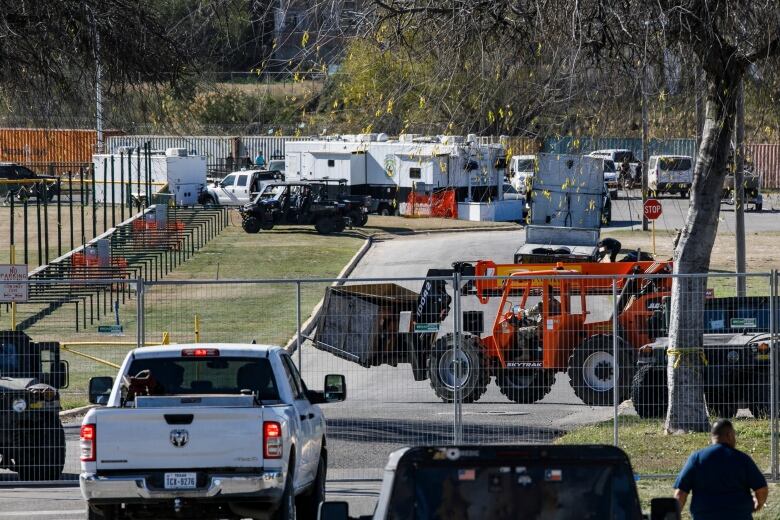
<point>692,257</point>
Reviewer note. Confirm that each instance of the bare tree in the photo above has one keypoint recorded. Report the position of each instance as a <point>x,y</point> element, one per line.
<point>726,37</point>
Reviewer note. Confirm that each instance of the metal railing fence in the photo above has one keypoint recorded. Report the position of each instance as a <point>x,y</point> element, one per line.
<point>529,358</point>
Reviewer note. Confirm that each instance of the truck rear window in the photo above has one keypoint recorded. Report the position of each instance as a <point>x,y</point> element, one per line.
<point>676,164</point>
<point>199,376</point>
<point>529,491</point>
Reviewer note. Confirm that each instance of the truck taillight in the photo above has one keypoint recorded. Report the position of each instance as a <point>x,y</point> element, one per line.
<point>88,440</point>
<point>272,440</point>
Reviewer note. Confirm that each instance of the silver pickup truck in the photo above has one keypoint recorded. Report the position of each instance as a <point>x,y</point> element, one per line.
<point>213,430</point>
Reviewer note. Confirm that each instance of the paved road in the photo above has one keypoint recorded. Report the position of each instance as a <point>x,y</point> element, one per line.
<point>627,212</point>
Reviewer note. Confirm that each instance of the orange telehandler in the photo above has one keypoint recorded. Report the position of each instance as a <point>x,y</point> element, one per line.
<point>527,344</point>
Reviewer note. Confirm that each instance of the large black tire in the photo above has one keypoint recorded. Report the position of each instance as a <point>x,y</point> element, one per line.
<point>721,401</point>
<point>325,225</point>
<point>591,371</point>
<point>339,224</point>
<point>286,510</point>
<point>44,457</point>
<point>525,385</point>
<point>251,225</point>
<point>308,504</point>
<point>469,374</point>
<point>649,392</point>
<point>363,219</point>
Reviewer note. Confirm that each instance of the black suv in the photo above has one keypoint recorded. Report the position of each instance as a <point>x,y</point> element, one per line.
<point>294,203</point>
<point>44,187</point>
<point>32,441</point>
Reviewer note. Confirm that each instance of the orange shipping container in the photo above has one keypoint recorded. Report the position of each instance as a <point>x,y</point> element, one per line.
<point>43,145</point>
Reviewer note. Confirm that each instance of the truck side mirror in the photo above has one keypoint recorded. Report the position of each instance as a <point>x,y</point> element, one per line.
<point>335,388</point>
<point>333,511</point>
<point>100,389</point>
<point>61,379</point>
<point>666,508</point>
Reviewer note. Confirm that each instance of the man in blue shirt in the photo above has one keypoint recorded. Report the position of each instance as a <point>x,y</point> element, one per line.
<point>721,477</point>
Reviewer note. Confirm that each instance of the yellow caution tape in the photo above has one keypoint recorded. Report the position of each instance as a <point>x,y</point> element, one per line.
<point>679,353</point>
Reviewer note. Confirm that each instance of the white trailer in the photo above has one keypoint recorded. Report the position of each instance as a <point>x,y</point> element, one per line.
<point>125,175</point>
<point>389,170</point>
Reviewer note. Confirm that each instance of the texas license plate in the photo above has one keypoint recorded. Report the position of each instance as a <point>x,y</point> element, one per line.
<point>180,481</point>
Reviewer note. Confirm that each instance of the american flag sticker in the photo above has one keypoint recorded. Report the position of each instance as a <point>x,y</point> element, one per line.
<point>467,474</point>
<point>553,475</point>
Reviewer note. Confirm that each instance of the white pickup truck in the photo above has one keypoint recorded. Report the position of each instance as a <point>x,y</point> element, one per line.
<point>206,430</point>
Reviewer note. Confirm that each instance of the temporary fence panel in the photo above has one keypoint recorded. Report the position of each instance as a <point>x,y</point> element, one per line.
<point>456,359</point>
<point>587,144</point>
<point>766,161</point>
<point>210,146</point>
<point>65,333</point>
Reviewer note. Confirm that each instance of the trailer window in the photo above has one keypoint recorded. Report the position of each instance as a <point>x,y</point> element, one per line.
<point>415,173</point>
<point>331,163</point>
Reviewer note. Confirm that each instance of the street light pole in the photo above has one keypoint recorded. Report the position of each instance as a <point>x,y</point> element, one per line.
<point>98,87</point>
<point>645,131</point>
<point>739,190</point>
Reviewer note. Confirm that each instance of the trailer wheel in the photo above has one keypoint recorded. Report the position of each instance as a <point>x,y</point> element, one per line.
<point>251,225</point>
<point>525,385</point>
<point>339,224</point>
<point>649,392</point>
<point>463,369</point>
<point>591,369</point>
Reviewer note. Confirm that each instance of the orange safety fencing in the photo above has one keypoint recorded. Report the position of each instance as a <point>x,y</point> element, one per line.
<point>440,203</point>
<point>88,266</point>
<point>147,233</point>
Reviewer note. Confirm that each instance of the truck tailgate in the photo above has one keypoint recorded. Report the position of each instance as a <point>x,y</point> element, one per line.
<point>166,438</point>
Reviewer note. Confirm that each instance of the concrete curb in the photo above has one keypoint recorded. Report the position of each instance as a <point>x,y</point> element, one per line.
<point>75,412</point>
<point>310,323</point>
<point>411,232</point>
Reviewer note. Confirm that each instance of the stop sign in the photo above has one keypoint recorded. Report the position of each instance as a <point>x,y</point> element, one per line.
<point>652,209</point>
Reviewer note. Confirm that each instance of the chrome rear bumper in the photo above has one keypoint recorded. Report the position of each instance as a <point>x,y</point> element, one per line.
<point>268,484</point>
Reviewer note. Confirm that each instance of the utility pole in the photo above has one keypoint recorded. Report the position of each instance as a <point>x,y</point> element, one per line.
<point>98,87</point>
<point>739,189</point>
<point>645,131</point>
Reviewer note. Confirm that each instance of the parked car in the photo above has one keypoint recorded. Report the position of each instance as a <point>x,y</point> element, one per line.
<point>31,184</point>
<point>294,203</point>
<point>626,179</point>
<point>239,187</point>
<point>32,440</point>
<point>509,482</point>
<point>521,170</point>
<point>752,189</point>
<point>611,178</point>
<point>670,174</point>
<point>216,430</point>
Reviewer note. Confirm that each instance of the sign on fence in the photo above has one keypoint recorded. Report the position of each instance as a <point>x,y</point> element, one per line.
<point>13,292</point>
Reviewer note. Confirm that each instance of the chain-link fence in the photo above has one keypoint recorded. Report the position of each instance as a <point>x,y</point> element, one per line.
<point>545,357</point>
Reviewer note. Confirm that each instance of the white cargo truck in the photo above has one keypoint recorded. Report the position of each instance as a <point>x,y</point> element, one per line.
<point>129,176</point>
<point>208,431</point>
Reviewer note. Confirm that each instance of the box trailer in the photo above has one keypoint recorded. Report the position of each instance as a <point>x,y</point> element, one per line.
<point>128,175</point>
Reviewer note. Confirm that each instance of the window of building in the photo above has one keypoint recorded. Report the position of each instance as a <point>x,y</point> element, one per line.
<point>415,173</point>
<point>331,163</point>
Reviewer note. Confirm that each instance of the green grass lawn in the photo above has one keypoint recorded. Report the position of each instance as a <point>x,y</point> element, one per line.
<point>653,452</point>
<point>230,311</point>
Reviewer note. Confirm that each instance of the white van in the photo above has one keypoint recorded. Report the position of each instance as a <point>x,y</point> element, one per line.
<point>670,174</point>
<point>521,170</point>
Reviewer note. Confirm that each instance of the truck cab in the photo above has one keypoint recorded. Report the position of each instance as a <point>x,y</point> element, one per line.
<point>508,482</point>
<point>239,187</point>
<point>521,170</point>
